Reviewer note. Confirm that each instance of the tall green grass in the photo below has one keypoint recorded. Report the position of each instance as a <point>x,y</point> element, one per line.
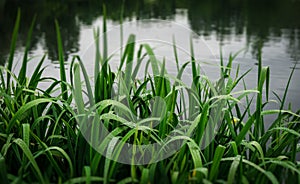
<point>42,135</point>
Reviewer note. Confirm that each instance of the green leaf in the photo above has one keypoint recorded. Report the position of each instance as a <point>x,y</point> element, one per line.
<point>233,169</point>
<point>77,90</point>
<point>241,136</point>
<point>216,162</point>
<point>22,73</point>
<point>145,176</point>
<point>30,157</point>
<point>87,171</point>
<point>83,179</point>
<point>13,48</point>
<point>268,174</point>
<point>86,79</point>
<point>36,74</point>
<point>24,108</point>
<point>62,69</point>
<point>195,152</point>
<point>153,60</point>
<point>3,173</point>
<point>26,132</point>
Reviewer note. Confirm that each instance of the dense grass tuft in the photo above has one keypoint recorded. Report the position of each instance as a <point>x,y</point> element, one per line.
<point>43,137</point>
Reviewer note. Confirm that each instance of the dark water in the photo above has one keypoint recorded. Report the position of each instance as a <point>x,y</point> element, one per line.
<point>231,25</point>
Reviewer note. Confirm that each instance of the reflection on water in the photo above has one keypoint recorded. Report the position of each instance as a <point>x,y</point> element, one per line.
<point>256,21</point>
<point>232,24</point>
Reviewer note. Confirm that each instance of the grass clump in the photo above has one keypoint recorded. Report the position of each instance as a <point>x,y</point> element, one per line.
<point>50,138</point>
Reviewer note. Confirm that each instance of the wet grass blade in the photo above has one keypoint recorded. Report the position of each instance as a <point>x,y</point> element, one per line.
<point>62,68</point>
<point>36,76</point>
<point>129,52</point>
<point>216,162</point>
<point>30,157</point>
<point>259,125</point>
<point>86,80</point>
<point>26,132</point>
<point>153,60</point>
<point>233,169</point>
<point>78,89</point>
<point>241,136</point>
<point>22,73</point>
<point>83,179</point>
<point>121,28</point>
<point>195,152</point>
<point>194,67</point>
<point>49,154</point>
<point>13,48</point>
<point>175,53</point>
<point>87,171</point>
<point>268,174</point>
<point>105,56</point>
<point>145,176</point>
<point>98,55</point>
<point>19,114</point>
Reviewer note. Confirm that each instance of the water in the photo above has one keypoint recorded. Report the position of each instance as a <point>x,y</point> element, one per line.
<point>231,25</point>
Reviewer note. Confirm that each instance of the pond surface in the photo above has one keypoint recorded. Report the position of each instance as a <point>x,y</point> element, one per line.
<point>229,25</point>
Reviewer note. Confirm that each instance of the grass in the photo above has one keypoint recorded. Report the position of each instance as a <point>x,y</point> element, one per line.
<point>49,138</point>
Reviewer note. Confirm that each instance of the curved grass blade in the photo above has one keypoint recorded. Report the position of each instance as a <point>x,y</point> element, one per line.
<point>82,179</point>
<point>233,169</point>
<point>128,180</point>
<point>24,108</point>
<point>49,154</point>
<point>87,82</point>
<point>30,157</point>
<point>153,60</point>
<point>36,74</point>
<point>195,152</point>
<point>268,174</point>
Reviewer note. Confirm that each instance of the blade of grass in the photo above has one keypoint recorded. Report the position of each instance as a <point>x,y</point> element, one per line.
<point>36,74</point>
<point>216,162</point>
<point>30,157</point>
<point>194,67</point>
<point>3,172</point>
<point>241,136</point>
<point>153,60</point>
<point>24,108</point>
<point>47,150</point>
<point>22,73</point>
<point>13,48</point>
<point>87,81</point>
<point>87,171</point>
<point>129,59</point>
<point>268,174</point>
<point>233,169</point>
<point>104,34</point>
<point>82,179</point>
<point>77,90</point>
<point>98,55</point>
<point>62,69</point>
<point>195,152</point>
